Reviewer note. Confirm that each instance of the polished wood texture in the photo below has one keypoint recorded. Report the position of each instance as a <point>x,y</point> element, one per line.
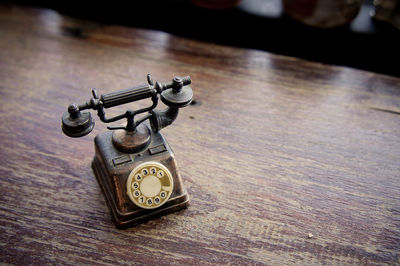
<point>275,149</point>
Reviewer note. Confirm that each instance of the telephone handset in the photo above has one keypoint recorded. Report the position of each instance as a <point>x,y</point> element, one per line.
<point>134,164</point>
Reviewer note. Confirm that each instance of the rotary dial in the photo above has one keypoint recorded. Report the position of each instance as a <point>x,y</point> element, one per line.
<point>149,185</point>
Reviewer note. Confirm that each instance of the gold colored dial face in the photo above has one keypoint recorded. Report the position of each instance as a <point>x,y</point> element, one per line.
<point>150,185</point>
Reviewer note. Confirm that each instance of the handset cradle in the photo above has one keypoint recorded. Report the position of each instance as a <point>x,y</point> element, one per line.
<point>134,164</point>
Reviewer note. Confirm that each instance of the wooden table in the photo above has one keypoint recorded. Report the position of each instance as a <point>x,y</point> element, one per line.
<point>275,149</point>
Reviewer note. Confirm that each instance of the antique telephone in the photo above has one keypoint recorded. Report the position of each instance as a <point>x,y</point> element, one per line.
<point>134,165</point>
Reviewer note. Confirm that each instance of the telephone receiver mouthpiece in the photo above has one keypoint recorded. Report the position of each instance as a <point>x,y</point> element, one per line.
<point>77,123</point>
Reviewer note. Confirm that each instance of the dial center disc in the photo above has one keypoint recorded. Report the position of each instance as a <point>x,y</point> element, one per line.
<point>150,186</point>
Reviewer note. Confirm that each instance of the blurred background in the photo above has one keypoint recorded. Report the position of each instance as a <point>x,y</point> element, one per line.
<point>362,34</point>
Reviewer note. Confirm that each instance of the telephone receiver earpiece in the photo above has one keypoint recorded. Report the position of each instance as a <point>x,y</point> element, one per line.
<point>77,123</point>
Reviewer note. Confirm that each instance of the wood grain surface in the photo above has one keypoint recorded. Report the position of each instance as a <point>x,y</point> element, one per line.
<point>275,149</point>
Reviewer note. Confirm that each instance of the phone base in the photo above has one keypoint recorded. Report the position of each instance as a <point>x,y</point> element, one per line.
<point>112,169</point>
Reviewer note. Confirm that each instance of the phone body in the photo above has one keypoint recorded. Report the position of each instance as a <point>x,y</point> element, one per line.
<point>113,168</point>
<point>134,165</point>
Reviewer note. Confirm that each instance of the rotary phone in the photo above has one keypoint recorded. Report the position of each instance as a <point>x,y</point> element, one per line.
<point>134,165</point>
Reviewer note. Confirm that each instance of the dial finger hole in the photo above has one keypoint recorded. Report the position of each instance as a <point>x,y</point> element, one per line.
<point>135,185</point>
<point>153,171</point>
<point>142,199</point>
<point>160,173</point>
<point>149,202</point>
<point>157,200</point>
<point>138,177</point>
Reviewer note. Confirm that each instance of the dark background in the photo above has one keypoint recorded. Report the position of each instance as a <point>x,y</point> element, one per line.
<point>259,24</point>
